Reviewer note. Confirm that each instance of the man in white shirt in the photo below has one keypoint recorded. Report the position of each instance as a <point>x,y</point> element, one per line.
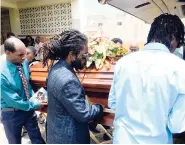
<point>179,52</point>
<point>148,91</point>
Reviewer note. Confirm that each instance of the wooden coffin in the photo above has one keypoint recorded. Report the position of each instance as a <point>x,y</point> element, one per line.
<point>97,84</point>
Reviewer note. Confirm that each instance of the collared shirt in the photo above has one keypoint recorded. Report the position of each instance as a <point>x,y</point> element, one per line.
<point>179,52</point>
<point>148,96</point>
<point>12,91</point>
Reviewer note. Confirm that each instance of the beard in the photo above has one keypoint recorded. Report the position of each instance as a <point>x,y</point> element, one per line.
<point>78,64</point>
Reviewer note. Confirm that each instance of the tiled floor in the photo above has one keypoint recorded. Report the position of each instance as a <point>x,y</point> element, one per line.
<point>26,140</point>
<point>3,139</point>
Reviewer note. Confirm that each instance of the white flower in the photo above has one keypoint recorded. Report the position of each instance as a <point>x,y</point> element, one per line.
<point>89,61</point>
<point>99,49</point>
<point>91,51</point>
<point>110,53</point>
<point>97,63</point>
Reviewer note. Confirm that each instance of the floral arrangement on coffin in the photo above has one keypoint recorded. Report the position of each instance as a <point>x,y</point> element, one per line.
<point>103,52</point>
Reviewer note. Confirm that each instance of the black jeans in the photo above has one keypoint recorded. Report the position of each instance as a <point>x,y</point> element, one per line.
<point>13,121</point>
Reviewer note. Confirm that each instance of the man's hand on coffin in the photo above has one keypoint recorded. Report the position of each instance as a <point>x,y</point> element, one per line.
<point>100,115</point>
<point>93,123</point>
<point>43,103</point>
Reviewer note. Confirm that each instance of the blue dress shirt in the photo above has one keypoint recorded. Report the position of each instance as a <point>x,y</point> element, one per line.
<point>12,91</point>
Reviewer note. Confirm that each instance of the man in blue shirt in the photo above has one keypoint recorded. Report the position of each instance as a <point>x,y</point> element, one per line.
<point>16,109</point>
<point>148,91</point>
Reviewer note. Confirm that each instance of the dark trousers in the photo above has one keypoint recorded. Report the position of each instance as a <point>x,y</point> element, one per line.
<point>179,138</point>
<point>13,122</point>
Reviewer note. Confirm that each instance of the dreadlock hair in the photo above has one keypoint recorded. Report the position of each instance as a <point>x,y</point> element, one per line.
<point>60,46</point>
<point>165,28</point>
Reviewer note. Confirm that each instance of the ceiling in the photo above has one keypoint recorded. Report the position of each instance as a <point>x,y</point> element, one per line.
<point>21,0</point>
<point>147,10</point>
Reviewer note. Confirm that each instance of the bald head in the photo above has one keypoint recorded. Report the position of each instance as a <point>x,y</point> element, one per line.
<point>12,44</point>
<point>15,50</point>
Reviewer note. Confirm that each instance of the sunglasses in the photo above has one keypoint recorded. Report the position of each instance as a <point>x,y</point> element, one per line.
<point>85,55</point>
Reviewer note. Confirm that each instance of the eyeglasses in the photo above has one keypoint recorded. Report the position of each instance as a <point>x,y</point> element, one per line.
<point>85,55</point>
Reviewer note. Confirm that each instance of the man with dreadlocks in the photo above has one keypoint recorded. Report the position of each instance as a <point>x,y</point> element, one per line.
<point>68,110</point>
<point>148,92</point>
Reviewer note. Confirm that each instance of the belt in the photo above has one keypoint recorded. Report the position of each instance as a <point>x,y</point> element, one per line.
<point>8,109</point>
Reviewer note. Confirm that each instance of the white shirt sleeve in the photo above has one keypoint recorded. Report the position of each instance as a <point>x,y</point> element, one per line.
<point>176,121</point>
<point>112,93</point>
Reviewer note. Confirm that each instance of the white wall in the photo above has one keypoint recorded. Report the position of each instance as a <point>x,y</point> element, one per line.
<point>78,15</point>
<point>131,30</point>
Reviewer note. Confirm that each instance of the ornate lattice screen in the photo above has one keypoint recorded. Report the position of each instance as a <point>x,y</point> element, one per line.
<point>49,19</point>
